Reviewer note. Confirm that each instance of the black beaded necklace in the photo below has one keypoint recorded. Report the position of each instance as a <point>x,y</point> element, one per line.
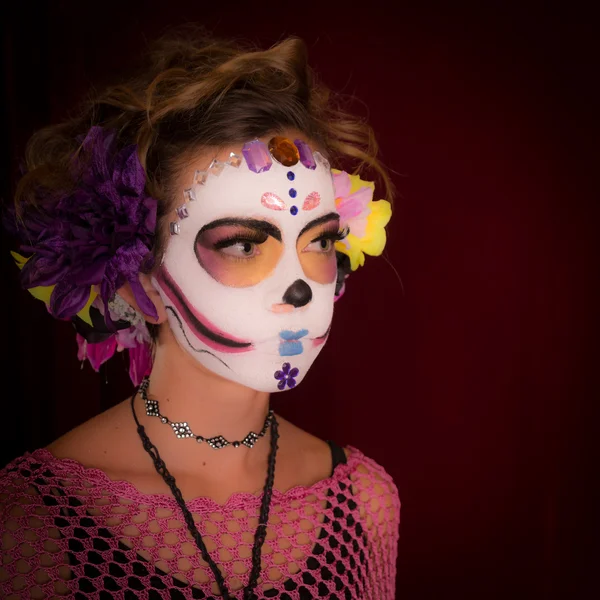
<point>182,430</point>
<point>259,536</point>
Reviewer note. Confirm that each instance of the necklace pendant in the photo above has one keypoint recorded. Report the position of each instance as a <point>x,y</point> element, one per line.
<point>151,408</point>
<point>182,430</point>
<point>250,439</point>
<point>217,442</point>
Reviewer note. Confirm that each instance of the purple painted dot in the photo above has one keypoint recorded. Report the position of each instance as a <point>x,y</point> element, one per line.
<point>293,192</point>
<point>294,210</point>
<point>291,176</point>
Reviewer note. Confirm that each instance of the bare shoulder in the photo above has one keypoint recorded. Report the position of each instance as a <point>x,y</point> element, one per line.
<point>103,441</point>
<point>99,441</point>
<point>304,452</point>
<point>373,488</point>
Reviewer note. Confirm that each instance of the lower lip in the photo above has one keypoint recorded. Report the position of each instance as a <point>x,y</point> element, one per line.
<point>290,348</point>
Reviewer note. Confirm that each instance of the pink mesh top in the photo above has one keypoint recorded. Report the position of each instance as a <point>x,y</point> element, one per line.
<point>68,530</point>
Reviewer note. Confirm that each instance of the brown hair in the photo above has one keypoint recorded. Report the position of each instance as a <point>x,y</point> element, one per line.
<point>198,92</point>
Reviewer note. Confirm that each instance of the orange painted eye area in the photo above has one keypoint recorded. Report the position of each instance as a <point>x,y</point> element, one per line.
<point>316,249</point>
<point>237,255</point>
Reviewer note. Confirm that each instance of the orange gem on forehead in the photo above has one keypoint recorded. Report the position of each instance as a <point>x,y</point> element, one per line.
<point>284,151</point>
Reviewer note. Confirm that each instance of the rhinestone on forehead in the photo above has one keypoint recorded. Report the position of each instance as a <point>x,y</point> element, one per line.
<point>200,177</point>
<point>306,154</point>
<point>257,156</point>
<point>284,151</point>
<point>321,160</point>
<point>258,159</point>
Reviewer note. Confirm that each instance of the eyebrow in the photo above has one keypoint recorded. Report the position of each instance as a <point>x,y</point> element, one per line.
<point>264,226</point>
<point>324,219</point>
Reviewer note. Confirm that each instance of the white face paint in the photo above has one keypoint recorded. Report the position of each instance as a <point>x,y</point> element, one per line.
<point>256,310</point>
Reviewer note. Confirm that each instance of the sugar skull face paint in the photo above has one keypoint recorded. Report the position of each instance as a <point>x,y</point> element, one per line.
<point>249,273</point>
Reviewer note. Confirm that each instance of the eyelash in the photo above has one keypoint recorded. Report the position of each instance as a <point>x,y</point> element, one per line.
<point>251,238</point>
<point>259,238</point>
<point>336,236</point>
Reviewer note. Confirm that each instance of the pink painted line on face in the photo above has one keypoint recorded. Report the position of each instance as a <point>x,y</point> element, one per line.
<point>209,334</point>
<point>321,340</point>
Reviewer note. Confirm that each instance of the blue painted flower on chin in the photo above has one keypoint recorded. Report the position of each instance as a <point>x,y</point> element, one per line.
<point>286,376</point>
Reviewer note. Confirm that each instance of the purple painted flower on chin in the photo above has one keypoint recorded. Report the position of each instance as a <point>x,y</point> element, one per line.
<point>99,233</point>
<point>286,376</point>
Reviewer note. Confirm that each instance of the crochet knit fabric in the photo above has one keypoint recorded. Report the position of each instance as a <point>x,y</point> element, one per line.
<point>69,530</point>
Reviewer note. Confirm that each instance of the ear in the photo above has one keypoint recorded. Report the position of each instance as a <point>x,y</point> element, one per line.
<point>127,294</point>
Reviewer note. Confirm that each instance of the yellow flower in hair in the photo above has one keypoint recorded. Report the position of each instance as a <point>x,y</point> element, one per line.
<point>43,292</point>
<point>365,218</point>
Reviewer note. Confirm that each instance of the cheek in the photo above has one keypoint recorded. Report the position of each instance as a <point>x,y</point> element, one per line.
<point>319,267</point>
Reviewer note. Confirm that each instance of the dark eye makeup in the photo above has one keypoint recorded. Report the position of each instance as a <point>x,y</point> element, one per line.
<point>336,235</point>
<point>224,233</point>
<point>247,237</point>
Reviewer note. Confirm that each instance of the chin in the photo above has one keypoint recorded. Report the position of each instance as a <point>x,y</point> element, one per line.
<point>263,372</point>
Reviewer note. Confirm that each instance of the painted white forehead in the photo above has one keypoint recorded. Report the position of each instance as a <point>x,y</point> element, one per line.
<point>261,180</point>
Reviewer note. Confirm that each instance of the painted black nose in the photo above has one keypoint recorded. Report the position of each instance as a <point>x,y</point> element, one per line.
<point>298,294</point>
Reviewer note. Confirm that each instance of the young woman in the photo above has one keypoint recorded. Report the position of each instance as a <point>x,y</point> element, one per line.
<point>191,216</point>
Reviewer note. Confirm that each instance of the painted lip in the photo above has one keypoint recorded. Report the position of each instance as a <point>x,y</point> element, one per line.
<point>289,335</point>
<point>289,345</point>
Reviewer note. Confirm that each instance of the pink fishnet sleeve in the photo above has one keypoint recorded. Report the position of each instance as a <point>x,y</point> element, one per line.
<point>33,565</point>
<point>379,505</point>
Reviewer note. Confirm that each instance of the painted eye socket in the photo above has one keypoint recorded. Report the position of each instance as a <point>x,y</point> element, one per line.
<point>237,255</point>
<point>316,250</point>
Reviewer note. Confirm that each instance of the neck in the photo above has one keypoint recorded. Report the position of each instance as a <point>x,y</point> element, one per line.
<point>210,405</point>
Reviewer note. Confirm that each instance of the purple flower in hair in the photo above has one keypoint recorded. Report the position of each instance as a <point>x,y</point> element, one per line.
<point>98,233</point>
<point>286,376</point>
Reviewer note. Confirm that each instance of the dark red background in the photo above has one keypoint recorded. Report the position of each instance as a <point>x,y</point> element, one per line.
<point>466,361</point>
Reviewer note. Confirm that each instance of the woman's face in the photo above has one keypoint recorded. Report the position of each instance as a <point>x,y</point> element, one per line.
<point>248,276</point>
